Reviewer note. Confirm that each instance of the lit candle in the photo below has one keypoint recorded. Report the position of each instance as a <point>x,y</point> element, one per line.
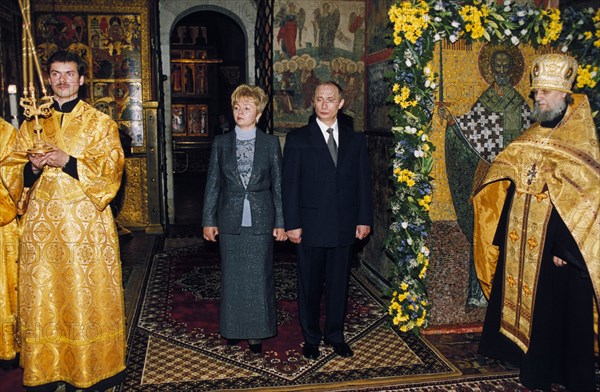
<point>12,99</point>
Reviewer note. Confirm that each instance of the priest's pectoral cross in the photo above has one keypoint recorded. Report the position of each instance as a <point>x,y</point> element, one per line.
<point>531,174</point>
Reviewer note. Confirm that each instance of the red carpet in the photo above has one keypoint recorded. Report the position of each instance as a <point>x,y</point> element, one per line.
<point>175,344</point>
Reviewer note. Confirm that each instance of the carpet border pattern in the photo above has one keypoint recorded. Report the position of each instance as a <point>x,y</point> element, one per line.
<point>432,365</point>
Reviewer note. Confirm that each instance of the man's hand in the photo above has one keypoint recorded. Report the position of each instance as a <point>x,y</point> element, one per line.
<point>53,158</point>
<point>295,235</point>
<point>56,157</point>
<point>558,261</point>
<point>210,233</point>
<point>38,162</point>
<point>362,231</point>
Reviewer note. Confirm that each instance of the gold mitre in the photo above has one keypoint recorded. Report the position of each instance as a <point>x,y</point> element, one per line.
<point>553,72</point>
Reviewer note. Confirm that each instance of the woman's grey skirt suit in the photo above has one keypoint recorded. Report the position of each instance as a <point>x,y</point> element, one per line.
<point>238,171</point>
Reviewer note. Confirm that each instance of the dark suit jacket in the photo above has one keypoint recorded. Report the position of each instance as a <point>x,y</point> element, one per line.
<point>326,201</point>
<point>224,195</point>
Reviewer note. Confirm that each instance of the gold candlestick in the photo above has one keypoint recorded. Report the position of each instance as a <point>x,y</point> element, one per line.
<point>32,109</point>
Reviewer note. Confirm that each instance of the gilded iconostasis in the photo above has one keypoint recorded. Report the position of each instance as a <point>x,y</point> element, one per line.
<point>112,37</point>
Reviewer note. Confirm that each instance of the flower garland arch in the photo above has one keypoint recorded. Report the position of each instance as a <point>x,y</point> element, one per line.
<point>417,26</point>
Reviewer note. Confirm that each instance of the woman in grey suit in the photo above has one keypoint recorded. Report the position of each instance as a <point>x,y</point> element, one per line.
<point>242,205</point>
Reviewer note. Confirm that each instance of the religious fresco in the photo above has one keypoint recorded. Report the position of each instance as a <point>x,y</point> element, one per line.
<point>378,26</point>
<point>317,41</point>
<point>460,95</point>
<point>378,118</point>
<point>477,116</point>
<point>111,46</point>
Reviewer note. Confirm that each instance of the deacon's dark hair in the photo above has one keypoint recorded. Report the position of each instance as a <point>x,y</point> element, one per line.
<point>65,56</point>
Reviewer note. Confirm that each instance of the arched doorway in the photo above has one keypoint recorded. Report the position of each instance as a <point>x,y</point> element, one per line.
<point>207,61</point>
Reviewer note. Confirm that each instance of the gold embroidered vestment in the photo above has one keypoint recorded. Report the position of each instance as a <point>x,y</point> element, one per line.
<point>550,168</point>
<point>71,310</point>
<point>9,243</point>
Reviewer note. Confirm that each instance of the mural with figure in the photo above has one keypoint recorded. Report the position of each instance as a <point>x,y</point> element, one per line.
<point>475,137</point>
<point>317,41</point>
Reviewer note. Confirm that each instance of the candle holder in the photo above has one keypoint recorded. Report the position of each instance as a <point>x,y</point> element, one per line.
<point>32,109</point>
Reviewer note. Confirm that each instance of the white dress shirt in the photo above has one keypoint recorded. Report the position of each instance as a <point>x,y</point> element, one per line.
<point>324,129</point>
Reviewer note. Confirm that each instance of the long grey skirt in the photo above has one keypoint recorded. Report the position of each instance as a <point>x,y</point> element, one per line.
<point>248,309</point>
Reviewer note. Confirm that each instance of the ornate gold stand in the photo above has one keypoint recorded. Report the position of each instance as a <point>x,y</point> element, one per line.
<point>31,109</point>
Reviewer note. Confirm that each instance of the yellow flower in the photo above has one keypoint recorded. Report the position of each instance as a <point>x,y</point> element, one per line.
<point>405,92</point>
<point>472,17</point>
<point>424,202</point>
<point>396,87</point>
<point>402,99</point>
<point>484,10</point>
<point>403,286</point>
<point>586,76</point>
<point>409,20</point>
<point>553,27</point>
<point>405,176</point>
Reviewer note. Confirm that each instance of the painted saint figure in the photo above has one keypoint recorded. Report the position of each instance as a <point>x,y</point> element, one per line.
<point>473,139</point>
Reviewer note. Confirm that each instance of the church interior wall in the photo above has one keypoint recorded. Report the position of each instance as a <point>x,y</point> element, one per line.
<point>356,58</point>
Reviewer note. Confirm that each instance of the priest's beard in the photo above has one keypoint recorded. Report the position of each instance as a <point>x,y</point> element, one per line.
<point>540,115</point>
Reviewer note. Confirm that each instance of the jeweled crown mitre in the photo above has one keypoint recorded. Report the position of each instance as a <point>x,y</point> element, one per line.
<point>553,72</point>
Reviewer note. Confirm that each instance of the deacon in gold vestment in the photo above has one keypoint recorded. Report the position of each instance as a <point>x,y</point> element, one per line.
<point>9,250</point>
<point>537,238</point>
<point>71,309</point>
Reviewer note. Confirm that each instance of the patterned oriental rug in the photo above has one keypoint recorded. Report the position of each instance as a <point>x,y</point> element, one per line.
<point>174,342</point>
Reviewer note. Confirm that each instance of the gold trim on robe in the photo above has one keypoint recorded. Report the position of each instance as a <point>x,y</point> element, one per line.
<point>549,167</point>
<point>71,308</point>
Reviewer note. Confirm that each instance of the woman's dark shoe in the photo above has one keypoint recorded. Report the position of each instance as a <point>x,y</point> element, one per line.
<point>232,342</point>
<point>256,348</point>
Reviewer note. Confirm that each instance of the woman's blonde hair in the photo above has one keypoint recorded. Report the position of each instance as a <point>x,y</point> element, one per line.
<point>253,93</point>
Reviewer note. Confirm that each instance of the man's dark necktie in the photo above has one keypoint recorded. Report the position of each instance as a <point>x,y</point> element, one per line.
<point>332,145</point>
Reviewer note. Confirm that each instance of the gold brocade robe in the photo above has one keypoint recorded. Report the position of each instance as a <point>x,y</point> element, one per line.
<point>550,168</point>
<point>9,251</point>
<point>71,309</point>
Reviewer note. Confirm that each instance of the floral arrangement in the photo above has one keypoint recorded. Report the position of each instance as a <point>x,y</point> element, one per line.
<point>417,26</point>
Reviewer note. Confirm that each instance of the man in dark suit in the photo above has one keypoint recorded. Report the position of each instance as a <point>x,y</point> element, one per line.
<point>327,205</point>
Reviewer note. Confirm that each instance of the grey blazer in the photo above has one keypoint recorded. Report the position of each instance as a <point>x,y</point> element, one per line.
<point>224,194</point>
